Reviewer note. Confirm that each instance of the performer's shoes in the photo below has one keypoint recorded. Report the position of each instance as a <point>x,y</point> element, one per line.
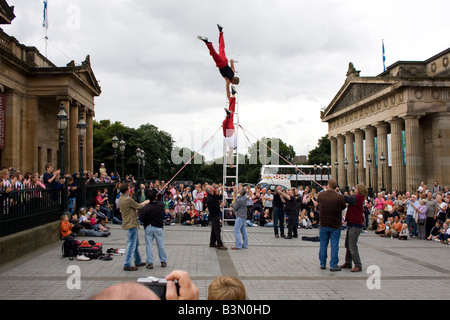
<point>227,111</point>
<point>204,39</point>
<point>219,27</point>
<point>233,90</point>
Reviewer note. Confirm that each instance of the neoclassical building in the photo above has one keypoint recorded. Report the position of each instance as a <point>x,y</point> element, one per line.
<point>403,114</point>
<point>32,89</point>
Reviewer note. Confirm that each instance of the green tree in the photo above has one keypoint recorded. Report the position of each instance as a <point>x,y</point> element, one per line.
<point>322,153</point>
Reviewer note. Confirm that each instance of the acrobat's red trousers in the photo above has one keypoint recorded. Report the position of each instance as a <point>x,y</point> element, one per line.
<point>220,59</point>
<point>227,124</point>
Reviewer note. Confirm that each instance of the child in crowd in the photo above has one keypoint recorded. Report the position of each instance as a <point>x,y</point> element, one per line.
<point>381,228</point>
<point>66,226</point>
<point>445,234</point>
<point>404,234</point>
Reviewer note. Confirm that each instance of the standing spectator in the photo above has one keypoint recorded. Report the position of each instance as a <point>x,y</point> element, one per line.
<point>130,223</point>
<point>411,204</point>
<point>436,189</point>
<point>278,213</point>
<point>151,216</point>
<point>355,223</point>
<point>442,209</point>
<point>240,206</point>
<point>421,218</point>
<point>268,199</point>
<point>432,210</point>
<point>212,201</point>
<point>331,205</point>
<point>290,207</point>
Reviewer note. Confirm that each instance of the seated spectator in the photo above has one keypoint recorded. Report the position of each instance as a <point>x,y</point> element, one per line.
<point>102,202</point>
<point>79,230</point>
<point>265,220</point>
<point>305,222</point>
<point>186,217</point>
<point>404,234</point>
<point>444,234</point>
<point>167,217</point>
<point>203,219</point>
<point>435,231</point>
<point>381,229</point>
<point>66,226</point>
<point>194,214</point>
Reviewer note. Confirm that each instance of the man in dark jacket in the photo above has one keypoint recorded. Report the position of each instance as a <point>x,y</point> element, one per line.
<point>212,202</point>
<point>290,207</point>
<point>152,217</point>
<point>331,205</point>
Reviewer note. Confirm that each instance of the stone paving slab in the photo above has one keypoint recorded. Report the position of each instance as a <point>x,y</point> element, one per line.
<point>271,268</point>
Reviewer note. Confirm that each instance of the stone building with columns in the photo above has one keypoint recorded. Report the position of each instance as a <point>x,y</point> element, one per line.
<point>403,114</point>
<point>32,89</point>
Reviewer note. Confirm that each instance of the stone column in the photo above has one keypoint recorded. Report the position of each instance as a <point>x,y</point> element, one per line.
<point>359,138</point>
<point>340,159</point>
<point>73,139</point>
<point>31,136</point>
<point>333,142</point>
<point>413,155</point>
<point>89,141</point>
<point>397,169</point>
<point>441,148</point>
<point>370,152</point>
<point>349,155</point>
<point>382,130</point>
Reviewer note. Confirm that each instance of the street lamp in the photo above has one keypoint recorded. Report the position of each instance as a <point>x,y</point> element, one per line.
<point>315,178</point>
<point>328,170</point>
<point>122,149</point>
<point>138,156</point>
<point>382,161</point>
<point>63,120</point>
<point>336,165</point>
<point>321,172</point>
<point>159,169</point>
<point>115,145</point>
<point>346,177</point>
<point>81,126</point>
<point>369,165</point>
<point>143,164</point>
<point>357,166</point>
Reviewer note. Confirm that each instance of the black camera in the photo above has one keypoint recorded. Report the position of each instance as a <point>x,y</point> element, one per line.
<point>157,285</point>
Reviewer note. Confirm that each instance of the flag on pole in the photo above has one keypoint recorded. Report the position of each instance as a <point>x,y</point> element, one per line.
<point>384,56</point>
<point>45,22</point>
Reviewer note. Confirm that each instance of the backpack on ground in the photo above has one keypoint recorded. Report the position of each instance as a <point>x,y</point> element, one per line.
<point>69,247</point>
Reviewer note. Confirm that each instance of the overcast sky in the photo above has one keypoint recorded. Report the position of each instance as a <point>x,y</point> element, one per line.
<point>293,57</point>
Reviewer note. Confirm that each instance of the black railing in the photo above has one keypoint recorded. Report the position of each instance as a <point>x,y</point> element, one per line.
<point>26,208</point>
<point>22,209</point>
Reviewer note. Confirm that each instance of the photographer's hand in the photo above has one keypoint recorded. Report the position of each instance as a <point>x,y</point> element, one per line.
<point>188,290</point>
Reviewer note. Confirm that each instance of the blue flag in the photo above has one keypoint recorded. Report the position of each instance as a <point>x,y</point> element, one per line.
<point>384,58</point>
<point>45,22</point>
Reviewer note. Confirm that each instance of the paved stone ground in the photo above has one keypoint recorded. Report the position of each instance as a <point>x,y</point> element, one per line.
<point>271,269</point>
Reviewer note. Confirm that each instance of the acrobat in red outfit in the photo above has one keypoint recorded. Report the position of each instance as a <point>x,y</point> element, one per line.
<point>228,127</point>
<point>221,60</point>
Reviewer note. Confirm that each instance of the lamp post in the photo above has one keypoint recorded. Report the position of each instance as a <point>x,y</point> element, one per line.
<point>357,166</point>
<point>328,170</point>
<point>369,165</point>
<point>138,157</point>
<point>143,164</point>
<point>346,177</point>
<point>115,145</point>
<point>321,173</point>
<point>159,169</point>
<point>62,125</point>
<point>122,145</point>
<point>315,169</point>
<point>81,126</point>
<point>382,161</point>
<point>336,165</point>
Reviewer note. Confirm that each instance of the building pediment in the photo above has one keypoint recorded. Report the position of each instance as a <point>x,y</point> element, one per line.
<point>354,92</point>
<point>6,13</point>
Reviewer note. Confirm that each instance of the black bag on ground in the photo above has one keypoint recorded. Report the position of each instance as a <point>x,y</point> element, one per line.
<point>69,247</point>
